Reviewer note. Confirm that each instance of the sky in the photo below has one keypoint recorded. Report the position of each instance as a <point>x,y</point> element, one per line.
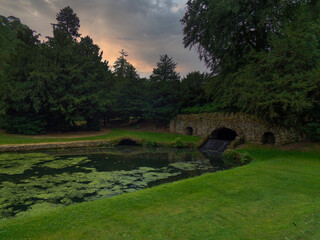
<point>145,29</point>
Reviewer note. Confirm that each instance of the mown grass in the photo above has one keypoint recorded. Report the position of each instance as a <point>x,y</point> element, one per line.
<point>143,135</point>
<point>277,196</point>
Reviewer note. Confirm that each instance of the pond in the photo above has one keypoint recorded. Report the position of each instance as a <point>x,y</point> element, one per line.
<point>35,182</point>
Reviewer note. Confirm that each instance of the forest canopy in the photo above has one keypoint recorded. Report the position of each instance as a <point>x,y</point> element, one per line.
<point>51,85</point>
<point>264,56</point>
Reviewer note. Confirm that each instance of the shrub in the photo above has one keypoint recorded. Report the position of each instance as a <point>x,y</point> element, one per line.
<point>230,157</point>
<point>233,158</point>
<point>28,125</point>
<point>312,131</point>
<point>245,158</point>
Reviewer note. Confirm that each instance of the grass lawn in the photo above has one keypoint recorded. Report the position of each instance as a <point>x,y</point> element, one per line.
<point>277,196</point>
<point>144,135</point>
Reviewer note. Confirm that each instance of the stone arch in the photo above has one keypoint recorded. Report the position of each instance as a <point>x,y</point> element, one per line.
<point>189,131</point>
<point>224,133</point>
<point>268,138</point>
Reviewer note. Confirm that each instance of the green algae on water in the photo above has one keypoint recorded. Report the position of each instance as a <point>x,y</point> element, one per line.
<point>36,182</point>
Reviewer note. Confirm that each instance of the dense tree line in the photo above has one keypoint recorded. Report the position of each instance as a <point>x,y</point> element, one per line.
<point>51,85</point>
<point>264,57</point>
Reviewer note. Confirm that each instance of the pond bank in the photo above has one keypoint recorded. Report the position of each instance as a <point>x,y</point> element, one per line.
<point>92,143</point>
<point>13,143</point>
<point>47,146</point>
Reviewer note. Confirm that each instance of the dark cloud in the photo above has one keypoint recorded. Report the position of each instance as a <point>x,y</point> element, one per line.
<point>144,28</point>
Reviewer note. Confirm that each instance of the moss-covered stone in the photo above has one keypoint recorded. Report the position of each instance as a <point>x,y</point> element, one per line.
<point>247,127</point>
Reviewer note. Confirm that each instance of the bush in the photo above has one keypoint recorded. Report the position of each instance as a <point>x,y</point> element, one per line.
<point>312,131</point>
<point>233,158</point>
<point>28,125</point>
<point>230,157</point>
<point>1,123</point>
<point>245,158</point>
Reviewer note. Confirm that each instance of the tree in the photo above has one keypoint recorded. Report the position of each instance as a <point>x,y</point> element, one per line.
<point>193,86</point>
<point>92,90</point>
<point>120,65</point>
<point>165,70</point>
<point>263,54</point>
<point>165,95</point>
<point>22,100</point>
<point>68,22</point>
<point>50,86</point>
<point>130,91</point>
<point>224,31</point>
<point>281,85</point>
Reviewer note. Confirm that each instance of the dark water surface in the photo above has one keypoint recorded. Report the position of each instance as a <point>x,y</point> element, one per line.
<point>34,182</point>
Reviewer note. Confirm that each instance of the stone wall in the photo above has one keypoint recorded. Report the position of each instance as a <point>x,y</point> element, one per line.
<point>247,127</point>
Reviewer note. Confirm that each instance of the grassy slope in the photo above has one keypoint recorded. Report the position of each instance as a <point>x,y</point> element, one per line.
<point>149,136</point>
<point>275,197</point>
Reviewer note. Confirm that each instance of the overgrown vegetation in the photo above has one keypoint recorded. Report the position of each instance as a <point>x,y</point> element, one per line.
<point>235,158</point>
<point>52,84</point>
<point>264,56</point>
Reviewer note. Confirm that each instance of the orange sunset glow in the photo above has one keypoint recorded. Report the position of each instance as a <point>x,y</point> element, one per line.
<point>143,28</point>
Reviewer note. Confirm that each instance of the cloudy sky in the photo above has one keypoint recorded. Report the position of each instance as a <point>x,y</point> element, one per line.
<point>146,29</point>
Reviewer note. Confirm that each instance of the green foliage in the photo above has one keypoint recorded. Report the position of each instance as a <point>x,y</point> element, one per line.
<point>53,83</point>
<point>68,22</point>
<point>28,125</point>
<point>193,87</point>
<point>165,93</point>
<point>234,158</point>
<point>264,56</point>
<point>224,31</point>
<point>129,93</point>
<point>281,85</point>
<point>312,130</point>
<point>231,157</point>
<point>245,158</point>
<point>207,108</point>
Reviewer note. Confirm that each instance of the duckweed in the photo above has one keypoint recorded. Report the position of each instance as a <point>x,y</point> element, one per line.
<point>36,182</point>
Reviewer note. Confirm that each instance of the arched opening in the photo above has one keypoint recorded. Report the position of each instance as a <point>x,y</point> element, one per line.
<point>219,140</point>
<point>268,138</point>
<point>127,142</point>
<point>189,131</point>
<point>226,134</point>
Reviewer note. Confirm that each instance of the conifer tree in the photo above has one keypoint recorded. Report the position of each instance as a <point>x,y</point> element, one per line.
<point>165,94</point>
<point>68,22</point>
